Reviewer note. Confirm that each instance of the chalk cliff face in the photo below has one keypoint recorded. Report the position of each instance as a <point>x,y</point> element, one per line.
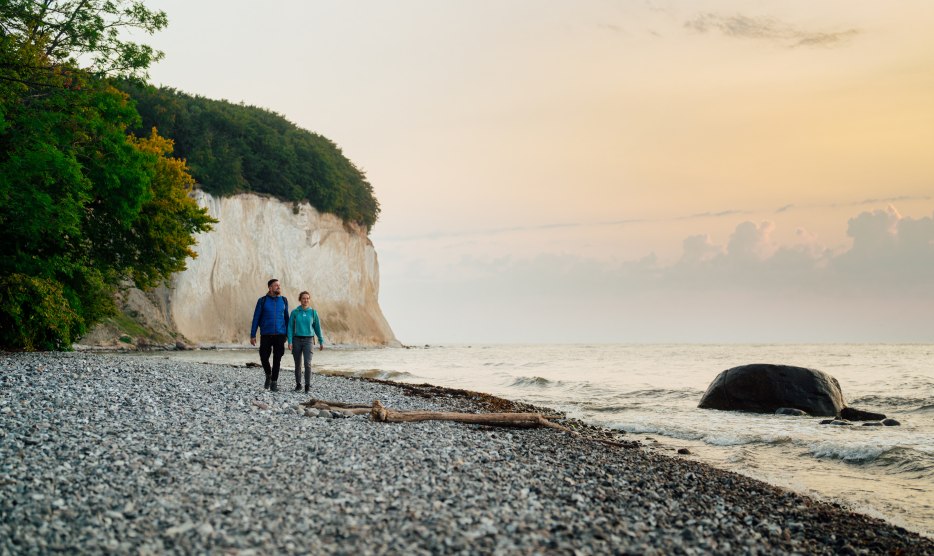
<point>258,238</point>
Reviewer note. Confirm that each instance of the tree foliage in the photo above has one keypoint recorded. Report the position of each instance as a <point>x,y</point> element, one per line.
<point>80,33</point>
<point>84,204</point>
<point>232,148</point>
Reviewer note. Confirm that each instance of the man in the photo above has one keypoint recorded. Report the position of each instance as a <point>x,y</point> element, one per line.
<point>271,316</point>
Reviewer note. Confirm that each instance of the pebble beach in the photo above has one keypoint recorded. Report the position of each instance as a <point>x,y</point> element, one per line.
<point>107,453</point>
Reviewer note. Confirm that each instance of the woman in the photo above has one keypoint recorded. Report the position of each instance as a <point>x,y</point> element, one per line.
<point>303,321</point>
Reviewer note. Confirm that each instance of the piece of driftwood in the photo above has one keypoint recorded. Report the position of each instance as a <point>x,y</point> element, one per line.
<point>380,413</point>
<point>349,408</point>
<point>519,420</point>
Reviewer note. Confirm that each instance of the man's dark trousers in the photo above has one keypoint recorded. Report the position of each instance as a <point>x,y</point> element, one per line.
<point>274,343</point>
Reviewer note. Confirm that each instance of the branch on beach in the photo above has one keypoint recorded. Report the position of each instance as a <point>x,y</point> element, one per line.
<point>347,408</point>
<point>382,414</point>
<point>518,420</point>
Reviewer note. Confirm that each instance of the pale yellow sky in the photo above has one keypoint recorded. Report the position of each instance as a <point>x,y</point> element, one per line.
<point>501,132</point>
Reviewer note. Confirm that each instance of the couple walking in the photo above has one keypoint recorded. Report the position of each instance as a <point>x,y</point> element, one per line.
<point>277,327</point>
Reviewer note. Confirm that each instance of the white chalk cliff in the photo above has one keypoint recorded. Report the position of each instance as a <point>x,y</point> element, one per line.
<point>258,238</point>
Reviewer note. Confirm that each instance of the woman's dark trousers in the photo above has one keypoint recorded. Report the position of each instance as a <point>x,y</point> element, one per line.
<point>301,347</point>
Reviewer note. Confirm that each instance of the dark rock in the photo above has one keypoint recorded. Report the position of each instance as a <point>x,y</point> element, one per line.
<point>841,423</point>
<point>252,364</point>
<point>872,424</point>
<point>764,388</point>
<point>827,421</point>
<point>181,346</point>
<point>789,411</point>
<point>890,423</point>
<point>683,451</point>
<point>852,414</point>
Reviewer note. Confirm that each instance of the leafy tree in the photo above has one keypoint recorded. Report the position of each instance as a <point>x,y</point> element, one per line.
<point>83,204</point>
<point>64,33</point>
<point>232,148</point>
<point>162,237</point>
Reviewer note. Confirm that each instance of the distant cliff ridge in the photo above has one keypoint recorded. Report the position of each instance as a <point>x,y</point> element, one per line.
<point>258,238</point>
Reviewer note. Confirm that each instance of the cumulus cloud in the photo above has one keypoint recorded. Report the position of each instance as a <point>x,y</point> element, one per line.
<point>751,242</point>
<point>889,248</point>
<point>889,253</point>
<point>698,249</point>
<point>768,28</point>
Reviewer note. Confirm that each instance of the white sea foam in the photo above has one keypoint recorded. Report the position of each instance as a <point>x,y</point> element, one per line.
<point>848,451</point>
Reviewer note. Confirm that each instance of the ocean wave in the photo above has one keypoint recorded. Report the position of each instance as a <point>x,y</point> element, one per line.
<point>877,400</point>
<point>853,453</point>
<point>537,381</point>
<point>598,408</point>
<point>907,461</point>
<point>742,439</point>
<point>645,428</point>
<point>378,374</point>
<point>677,393</point>
<point>899,460</point>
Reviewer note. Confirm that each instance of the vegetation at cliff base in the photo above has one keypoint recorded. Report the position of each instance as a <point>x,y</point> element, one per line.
<point>233,148</point>
<point>84,204</point>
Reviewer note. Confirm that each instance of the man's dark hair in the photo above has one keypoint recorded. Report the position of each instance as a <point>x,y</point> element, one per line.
<point>269,283</point>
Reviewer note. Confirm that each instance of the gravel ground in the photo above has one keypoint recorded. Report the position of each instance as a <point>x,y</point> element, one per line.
<point>143,455</point>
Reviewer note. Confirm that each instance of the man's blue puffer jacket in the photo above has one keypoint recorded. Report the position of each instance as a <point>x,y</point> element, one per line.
<point>271,315</point>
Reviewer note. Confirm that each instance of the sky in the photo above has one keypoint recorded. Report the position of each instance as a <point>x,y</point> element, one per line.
<point>611,171</point>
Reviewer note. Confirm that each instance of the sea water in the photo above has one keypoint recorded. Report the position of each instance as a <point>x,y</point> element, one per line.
<point>652,392</point>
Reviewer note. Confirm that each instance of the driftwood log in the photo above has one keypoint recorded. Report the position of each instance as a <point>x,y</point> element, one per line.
<point>519,420</point>
<point>348,408</point>
<point>382,414</point>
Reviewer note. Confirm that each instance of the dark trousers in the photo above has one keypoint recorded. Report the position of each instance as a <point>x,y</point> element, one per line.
<point>301,347</point>
<point>275,344</point>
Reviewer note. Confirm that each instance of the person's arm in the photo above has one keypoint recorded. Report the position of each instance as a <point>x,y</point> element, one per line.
<point>316,324</point>
<point>285,310</point>
<point>256,313</point>
<point>289,328</point>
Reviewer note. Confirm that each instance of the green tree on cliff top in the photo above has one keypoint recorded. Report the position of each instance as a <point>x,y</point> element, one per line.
<point>83,204</point>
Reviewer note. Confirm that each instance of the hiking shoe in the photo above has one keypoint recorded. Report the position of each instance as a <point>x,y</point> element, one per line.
<point>266,384</point>
<point>273,386</point>
<point>298,387</point>
<point>306,388</point>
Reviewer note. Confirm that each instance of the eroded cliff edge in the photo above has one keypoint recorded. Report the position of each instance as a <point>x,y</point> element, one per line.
<point>257,238</point>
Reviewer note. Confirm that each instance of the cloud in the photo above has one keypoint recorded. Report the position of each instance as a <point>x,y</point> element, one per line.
<point>699,249</point>
<point>890,254</point>
<point>751,242</point>
<point>749,288</point>
<point>768,28</point>
<point>890,249</point>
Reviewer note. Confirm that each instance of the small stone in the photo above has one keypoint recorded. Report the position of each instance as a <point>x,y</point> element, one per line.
<point>179,529</point>
<point>891,422</point>
<point>684,451</point>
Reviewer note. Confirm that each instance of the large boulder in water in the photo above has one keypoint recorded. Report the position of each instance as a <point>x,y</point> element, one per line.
<point>764,388</point>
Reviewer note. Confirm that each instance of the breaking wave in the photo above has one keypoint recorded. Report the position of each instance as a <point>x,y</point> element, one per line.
<point>538,381</point>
